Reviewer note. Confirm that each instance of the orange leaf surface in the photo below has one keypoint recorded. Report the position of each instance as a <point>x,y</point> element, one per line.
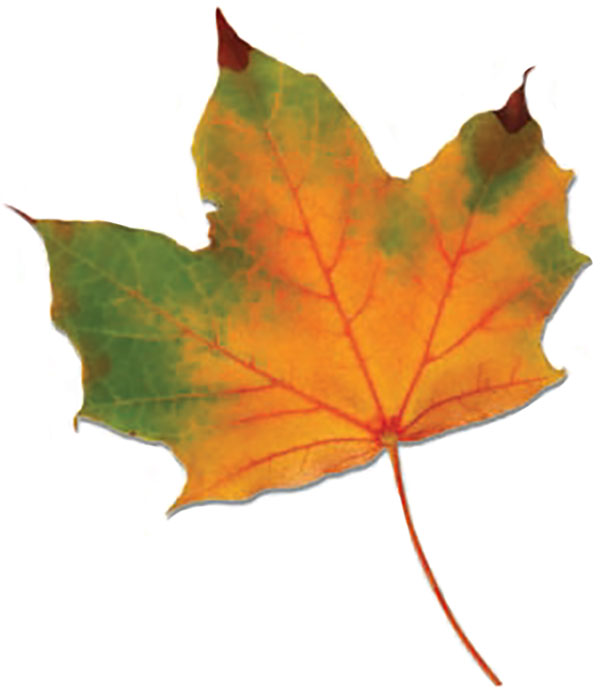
<point>338,311</point>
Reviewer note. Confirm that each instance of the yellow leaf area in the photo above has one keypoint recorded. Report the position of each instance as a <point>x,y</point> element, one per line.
<point>376,309</point>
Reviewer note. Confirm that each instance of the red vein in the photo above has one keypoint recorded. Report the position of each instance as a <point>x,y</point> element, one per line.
<point>284,452</point>
<point>438,233</point>
<point>452,271</point>
<point>351,457</point>
<point>337,256</point>
<point>513,225</point>
<point>461,252</point>
<point>327,275</point>
<point>393,452</point>
<point>246,390</point>
<point>300,232</point>
<point>268,415</point>
<point>463,395</point>
<point>367,298</point>
<point>480,323</point>
<point>442,250</point>
<point>305,290</point>
<point>426,357</point>
<point>187,331</point>
<point>415,278</point>
<point>291,388</point>
<point>339,250</point>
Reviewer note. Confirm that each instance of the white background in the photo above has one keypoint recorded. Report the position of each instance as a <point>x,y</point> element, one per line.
<point>318,589</point>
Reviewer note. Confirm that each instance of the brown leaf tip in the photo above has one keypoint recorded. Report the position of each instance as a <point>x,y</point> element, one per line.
<point>515,114</point>
<point>233,51</point>
<point>22,214</point>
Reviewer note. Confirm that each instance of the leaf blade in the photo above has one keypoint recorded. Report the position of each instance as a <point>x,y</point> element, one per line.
<point>427,295</point>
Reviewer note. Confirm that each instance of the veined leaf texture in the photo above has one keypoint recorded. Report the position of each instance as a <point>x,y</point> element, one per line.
<point>339,311</point>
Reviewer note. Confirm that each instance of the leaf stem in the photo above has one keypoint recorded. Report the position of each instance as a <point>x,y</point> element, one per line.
<point>395,457</point>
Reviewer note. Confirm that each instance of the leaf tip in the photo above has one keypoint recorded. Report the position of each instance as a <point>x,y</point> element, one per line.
<point>22,214</point>
<point>176,507</point>
<point>233,51</point>
<point>515,114</point>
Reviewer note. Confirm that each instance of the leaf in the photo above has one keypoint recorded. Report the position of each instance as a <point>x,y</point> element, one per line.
<point>338,311</point>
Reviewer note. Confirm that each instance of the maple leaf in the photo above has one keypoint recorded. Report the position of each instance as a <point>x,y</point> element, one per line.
<point>338,311</point>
